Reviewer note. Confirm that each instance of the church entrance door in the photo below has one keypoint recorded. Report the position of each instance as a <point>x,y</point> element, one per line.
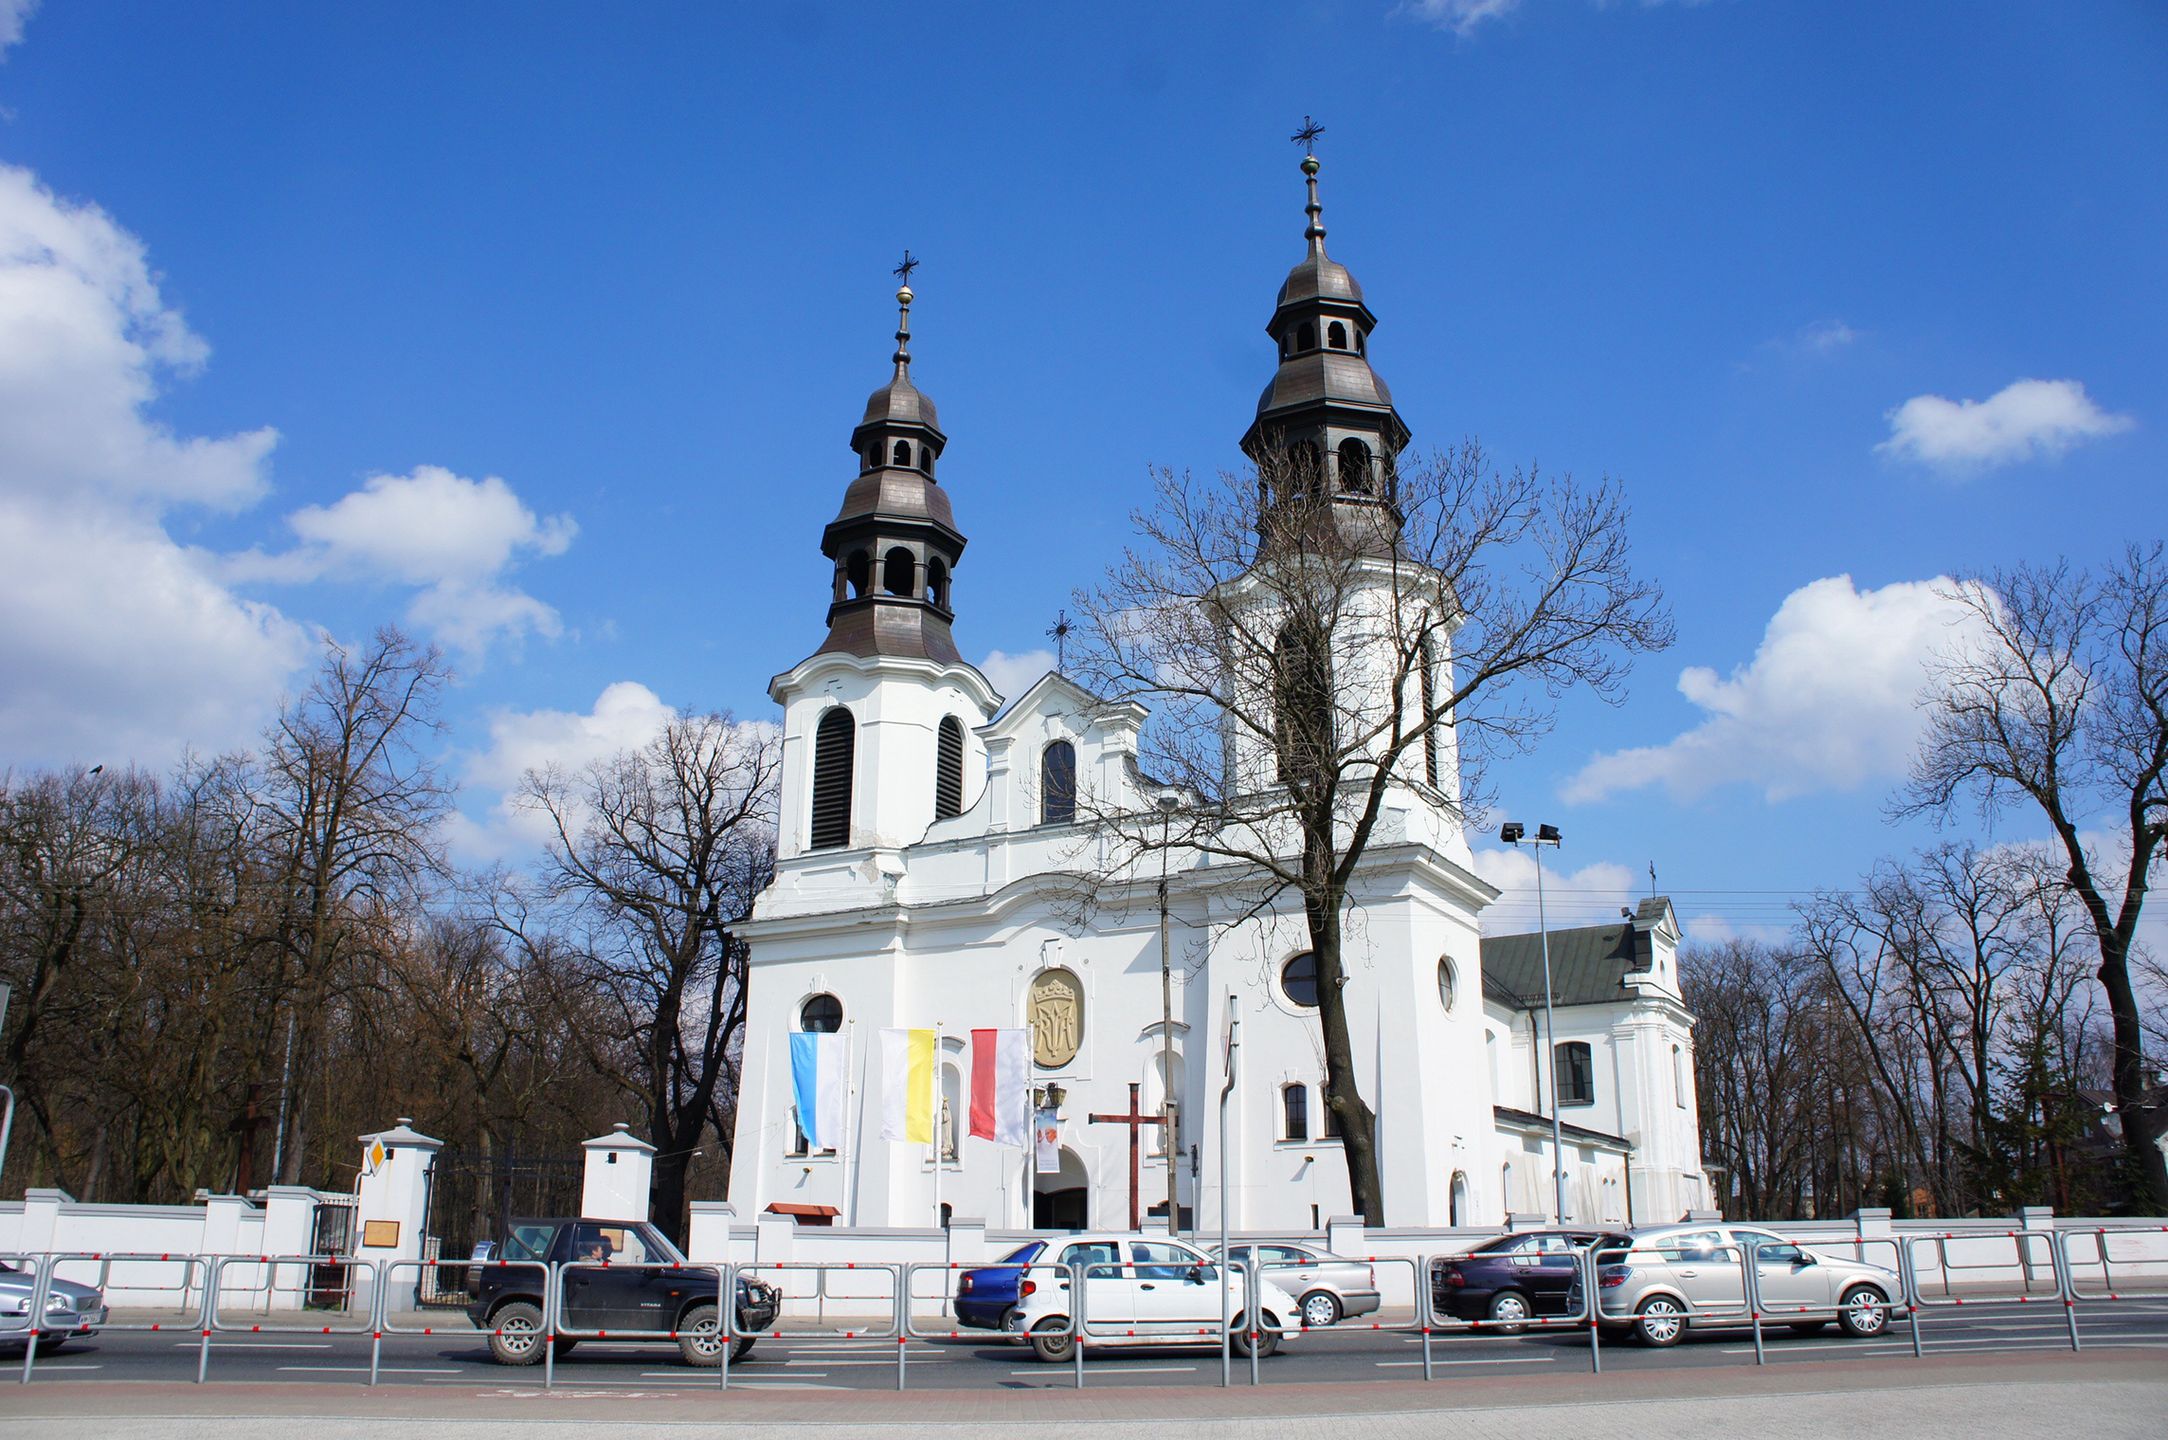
<point>1061,1201</point>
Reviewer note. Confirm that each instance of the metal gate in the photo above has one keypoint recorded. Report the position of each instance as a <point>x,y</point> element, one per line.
<point>473,1198</point>
<point>331,1233</point>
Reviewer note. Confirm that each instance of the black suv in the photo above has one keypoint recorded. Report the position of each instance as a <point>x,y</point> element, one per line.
<point>506,1298</point>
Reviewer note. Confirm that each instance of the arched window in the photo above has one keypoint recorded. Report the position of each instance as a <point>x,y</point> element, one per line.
<point>1306,337</point>
<point>902,455</point>
<point>1448,983</point>
<point>1336,335</point>
<point>1057,784</point>
<point>952,1105</point>
<point>1360,349</point>
<point>1428,659</point>
<point>1302,705</point>
<point>1298,980</point>
<point>1575,1075</point>
<point>821,1015</point>
<point>835,744</point>
<point>872,457</point>
<point>925,459</point>
<point>897,571</point>
<point>1330,1115</point>
<point>1456,1202</point>
<point>858,570</point>
<point>1355,476</point>
<point>1294,1112</point>
<point>937,581</point>
<point>948,769</point>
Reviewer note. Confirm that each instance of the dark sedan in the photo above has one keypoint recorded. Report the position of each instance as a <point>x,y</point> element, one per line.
<point>984,1298</point>
<point>1508,1281</point>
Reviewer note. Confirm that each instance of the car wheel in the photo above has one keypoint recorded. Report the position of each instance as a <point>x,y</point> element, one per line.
<point>1268,1337</point>
<point>1319,1309</point>
<point>700,1337</point>
<point>1660,1321</point>
<point>1863,1312</point>
<point>1808,1327</point>
<point>515,1334</point>
<point>1051,1342</point>
<point>1509,1309</point>
<point>740,1348</point>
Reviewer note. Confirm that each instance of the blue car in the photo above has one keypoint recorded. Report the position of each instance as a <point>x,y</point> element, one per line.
<point>984,1298</point>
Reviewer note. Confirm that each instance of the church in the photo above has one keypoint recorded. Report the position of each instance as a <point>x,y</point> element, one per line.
<point>931,852</point>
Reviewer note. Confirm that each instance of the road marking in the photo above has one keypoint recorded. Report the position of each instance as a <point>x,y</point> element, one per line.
<point>1103,1367</point>
<point>1500,1360</point>
<point>62,1365</point>
<point>362,1370</point>
<point>257,1344</point>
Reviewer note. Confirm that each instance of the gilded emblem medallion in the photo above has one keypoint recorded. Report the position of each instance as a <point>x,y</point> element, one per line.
<point>1057,1018</point>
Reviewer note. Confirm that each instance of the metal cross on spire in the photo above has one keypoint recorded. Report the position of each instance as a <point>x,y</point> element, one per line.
<point>1306,137</point>
<point>1058,632</point>
<point>903,270</point>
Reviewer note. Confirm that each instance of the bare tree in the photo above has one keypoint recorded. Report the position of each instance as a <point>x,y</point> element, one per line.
<point>1307,658</point>
<point>656,854</point>
<point>2059,699</point>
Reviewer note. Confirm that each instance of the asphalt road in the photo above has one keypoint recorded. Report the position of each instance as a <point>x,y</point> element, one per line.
<point>806,1363</point>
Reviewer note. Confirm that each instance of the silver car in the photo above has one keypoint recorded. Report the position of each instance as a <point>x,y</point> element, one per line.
<point>1327,1286</point>
<point>72,1311</point>
<point>1675,1276</point>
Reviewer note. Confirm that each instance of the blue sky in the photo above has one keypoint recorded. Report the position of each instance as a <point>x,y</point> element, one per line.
<point>285,287</point>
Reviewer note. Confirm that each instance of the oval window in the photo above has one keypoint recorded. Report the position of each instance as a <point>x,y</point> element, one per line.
<point>1448,983</point>
<point>1298,980</point>
<point>822,1014</point>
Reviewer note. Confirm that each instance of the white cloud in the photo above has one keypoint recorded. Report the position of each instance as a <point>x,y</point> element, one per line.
<point>2024,419</point>
<point>14,14</point>
<point>452,536</point>
<point>1459,16</point>
<point>1012,675</point>
<point>625,716</point>
<point>1591,895</point>
<point>1825,337</point>
<point>1828,701</point>
<point>117,643</point>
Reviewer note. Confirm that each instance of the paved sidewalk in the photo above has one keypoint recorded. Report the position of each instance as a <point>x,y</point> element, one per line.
<point>2106,1395</point>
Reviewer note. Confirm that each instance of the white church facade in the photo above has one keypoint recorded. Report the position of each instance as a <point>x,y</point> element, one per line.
<point>944,862</point>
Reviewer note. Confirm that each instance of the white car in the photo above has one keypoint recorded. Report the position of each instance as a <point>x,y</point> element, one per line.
<point>1142,1290</point>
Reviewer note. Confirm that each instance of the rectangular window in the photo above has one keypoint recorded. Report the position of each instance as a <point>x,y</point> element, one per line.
<point>1330,1115</point>
<point>1575,1075</point>
<point>1295,1107</point>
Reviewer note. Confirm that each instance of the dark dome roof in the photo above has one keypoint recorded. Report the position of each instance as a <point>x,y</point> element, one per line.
<point>899,402</point>
<point>1320,277</point>
<point>1324,376</point>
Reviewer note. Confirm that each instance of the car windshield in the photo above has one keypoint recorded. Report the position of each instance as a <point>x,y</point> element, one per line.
<point>659,1246</point>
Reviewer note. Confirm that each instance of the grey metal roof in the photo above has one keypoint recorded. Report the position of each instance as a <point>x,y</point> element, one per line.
<point>1589,963</point>
<point>1529,1120</point>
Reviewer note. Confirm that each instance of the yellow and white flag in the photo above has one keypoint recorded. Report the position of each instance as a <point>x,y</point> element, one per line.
<point>907,1085</point>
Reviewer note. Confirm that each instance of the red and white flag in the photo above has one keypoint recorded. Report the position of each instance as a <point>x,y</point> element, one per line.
<point>1000,1092</point>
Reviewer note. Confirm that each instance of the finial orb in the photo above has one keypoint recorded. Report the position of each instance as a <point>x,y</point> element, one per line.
<point>1309,165</point>
<point>904,295</point>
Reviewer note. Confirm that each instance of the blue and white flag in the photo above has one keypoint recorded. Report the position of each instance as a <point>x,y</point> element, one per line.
<point>817,1069</point>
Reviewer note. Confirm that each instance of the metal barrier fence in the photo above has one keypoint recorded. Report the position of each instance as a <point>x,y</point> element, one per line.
<point>892,1327</point>
<point>1740,1290</point>
<point>1049,1327</point>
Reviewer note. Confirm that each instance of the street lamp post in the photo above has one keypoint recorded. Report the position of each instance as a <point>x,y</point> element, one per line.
<point>1514,833</point>
<point>1168,804</point>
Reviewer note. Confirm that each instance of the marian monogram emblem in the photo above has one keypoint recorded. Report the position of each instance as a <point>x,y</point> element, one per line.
<point>1057,1018</point>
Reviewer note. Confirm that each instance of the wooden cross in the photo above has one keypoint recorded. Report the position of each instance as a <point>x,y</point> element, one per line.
<point>1135,1122</point>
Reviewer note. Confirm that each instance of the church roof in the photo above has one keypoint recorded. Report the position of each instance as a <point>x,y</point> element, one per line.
<point>1589,964</point>
<point>1514,1119</point>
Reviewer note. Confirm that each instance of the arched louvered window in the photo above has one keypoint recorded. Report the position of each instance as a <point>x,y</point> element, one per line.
<point>835,745</point>
<point>1336,335</point>
<point>858,570</point>
<point>948,769</point>
<point>1306,337</point>
<point>1302,704</point>
<point>937,582</point>
<point>903,452</point>
<point>1057,784</point>
<point>1428,659</point>
<point>1354,467</point>
<point>897,571</point>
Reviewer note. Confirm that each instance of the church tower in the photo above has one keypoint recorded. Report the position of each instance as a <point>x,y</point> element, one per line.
<point>1326,438</point>
<point>879,722</point>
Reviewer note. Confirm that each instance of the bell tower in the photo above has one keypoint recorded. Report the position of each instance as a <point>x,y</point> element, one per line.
<point>1326,437</point>
<point>880,722</point>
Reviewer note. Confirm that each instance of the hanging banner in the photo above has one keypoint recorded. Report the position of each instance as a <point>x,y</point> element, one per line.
<point>1046,1142</point>
<point>907,1085</point>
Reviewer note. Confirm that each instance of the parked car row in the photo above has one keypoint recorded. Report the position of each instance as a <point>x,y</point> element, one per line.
<point>1654,1283</point>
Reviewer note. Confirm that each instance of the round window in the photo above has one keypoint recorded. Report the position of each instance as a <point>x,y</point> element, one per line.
<point>1447,982</point>
<point>1298,980</point>
<point>822,1014</point>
